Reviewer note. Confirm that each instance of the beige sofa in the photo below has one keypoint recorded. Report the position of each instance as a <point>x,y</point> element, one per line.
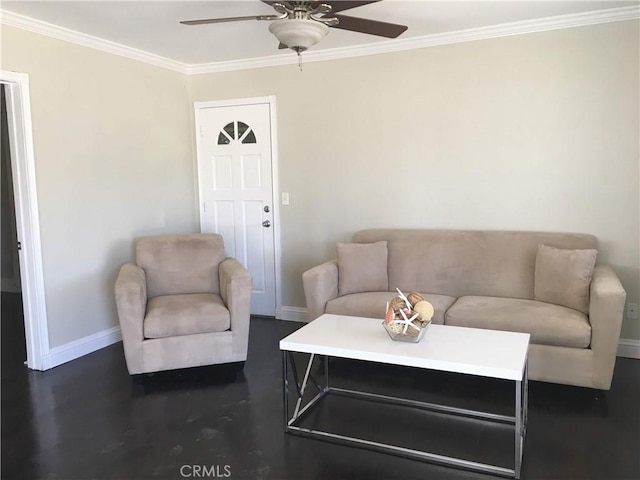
<point>540,283</point>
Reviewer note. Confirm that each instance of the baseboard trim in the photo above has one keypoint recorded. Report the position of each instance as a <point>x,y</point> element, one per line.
<point>81,347</point>
<point>292,314</point>
<point>629,348</point>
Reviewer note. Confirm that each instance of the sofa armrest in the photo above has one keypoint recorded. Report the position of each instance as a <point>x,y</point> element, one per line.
<point>606,308</point>
<point>235,290</point>
<point>131,303</point>
<point>320,285</point>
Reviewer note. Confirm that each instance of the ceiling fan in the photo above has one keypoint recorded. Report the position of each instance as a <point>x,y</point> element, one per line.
<point>300,24</point>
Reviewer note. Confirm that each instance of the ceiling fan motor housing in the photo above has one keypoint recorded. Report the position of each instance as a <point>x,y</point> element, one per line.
<point>298,34</point>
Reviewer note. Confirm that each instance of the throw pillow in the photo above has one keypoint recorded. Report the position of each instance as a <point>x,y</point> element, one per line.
<point>563,276</point>
<point>362,267</point>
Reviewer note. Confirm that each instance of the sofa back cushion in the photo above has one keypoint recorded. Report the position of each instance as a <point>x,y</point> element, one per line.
<point>459,262</point>
<point>362,267</point>
<point>179,264</point>
<point>563,276</point>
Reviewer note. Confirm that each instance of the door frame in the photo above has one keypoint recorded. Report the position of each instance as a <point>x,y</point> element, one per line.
<point>27,217</point>
<point>271,101</point>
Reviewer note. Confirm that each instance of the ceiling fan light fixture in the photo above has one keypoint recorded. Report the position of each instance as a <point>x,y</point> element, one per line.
<point>298,34</point>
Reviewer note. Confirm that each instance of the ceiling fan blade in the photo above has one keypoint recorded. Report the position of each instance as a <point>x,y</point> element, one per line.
<point>282,46</point>
<point>372,27</point>
<point>229,19</point>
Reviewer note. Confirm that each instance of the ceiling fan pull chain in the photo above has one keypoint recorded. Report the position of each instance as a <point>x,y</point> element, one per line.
<point>299,60</point>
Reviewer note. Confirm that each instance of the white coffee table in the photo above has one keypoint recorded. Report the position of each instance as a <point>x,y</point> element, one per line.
<point>471,351</point>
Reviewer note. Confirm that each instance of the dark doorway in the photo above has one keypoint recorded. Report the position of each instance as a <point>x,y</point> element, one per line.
<point>14,353</point>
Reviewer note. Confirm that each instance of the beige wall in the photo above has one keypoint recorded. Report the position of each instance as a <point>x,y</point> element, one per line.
<point>112,141</point>
<point>530,132</point>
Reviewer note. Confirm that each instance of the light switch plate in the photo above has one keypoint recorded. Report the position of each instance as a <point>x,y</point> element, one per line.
<point>285,198</point>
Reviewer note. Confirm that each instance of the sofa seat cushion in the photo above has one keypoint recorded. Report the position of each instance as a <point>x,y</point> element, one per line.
<point>548,324</point>
<point>373,304</point>
<point>187,314</point>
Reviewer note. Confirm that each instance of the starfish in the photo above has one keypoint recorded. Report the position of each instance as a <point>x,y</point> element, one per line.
<point>402,296</point>
<point>407,322</point>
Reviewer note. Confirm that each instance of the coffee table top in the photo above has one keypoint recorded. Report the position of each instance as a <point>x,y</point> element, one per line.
<point>474,351</point>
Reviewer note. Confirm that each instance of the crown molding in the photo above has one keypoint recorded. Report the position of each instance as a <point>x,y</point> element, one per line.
<point>387,46</point>
<point>390,46</point>
<point>50,30</point>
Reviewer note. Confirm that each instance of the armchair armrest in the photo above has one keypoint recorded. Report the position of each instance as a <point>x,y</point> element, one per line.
<point>235,290</point>
<point>131,303</point>
<point>606,308</point>
<point>320,285</point>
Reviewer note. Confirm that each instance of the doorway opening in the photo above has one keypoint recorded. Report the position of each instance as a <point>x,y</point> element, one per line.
<point>27,271</point>
<point>14,348</point>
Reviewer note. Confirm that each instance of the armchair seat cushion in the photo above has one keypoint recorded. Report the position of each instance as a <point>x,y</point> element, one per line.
<point>548,324</point>
<point>186,314</point>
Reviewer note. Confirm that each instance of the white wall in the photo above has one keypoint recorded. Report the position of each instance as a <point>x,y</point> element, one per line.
<point>530,132</point>
<point>112,142</point>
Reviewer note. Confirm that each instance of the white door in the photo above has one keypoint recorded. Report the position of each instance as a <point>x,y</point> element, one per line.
<point>236,192</point>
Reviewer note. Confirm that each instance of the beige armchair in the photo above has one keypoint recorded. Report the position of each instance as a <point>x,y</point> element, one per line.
<point>183,304</point>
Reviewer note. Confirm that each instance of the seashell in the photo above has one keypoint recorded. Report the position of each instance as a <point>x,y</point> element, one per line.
<point>425,310</point>
<point>389,315</point>
<point>414,297</point>
<point>397,303</point>
<point>395,328</point>
<point>413,332</point>
<point>403,297</point>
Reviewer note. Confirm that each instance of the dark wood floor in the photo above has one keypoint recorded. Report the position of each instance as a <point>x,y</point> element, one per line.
<point>14,350</point>
<point>87,420</point>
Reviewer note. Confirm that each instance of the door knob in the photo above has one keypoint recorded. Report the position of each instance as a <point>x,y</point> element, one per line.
<point>266,224</point>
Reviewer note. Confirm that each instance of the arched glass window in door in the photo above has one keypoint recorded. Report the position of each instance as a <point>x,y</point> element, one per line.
<point>236,131</point>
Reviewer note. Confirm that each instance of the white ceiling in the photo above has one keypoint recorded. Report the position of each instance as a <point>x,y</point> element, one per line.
<point>153,26</point>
